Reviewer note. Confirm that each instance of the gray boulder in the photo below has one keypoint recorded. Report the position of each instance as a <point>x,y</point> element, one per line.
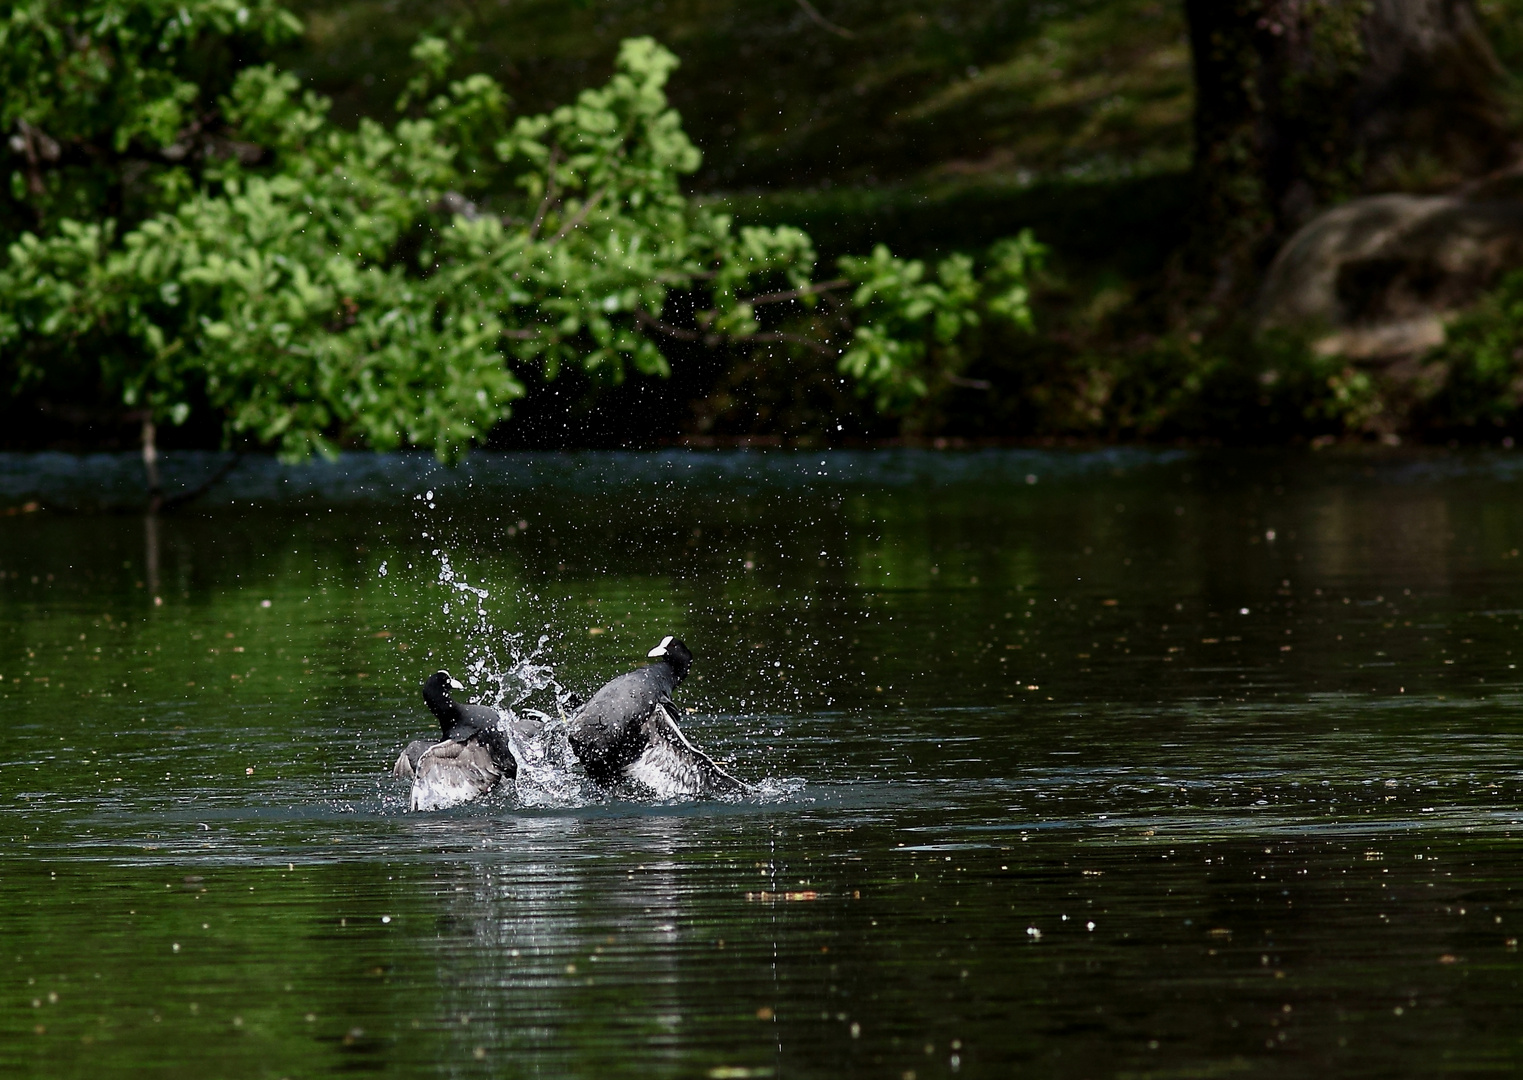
<point>1374,278</point>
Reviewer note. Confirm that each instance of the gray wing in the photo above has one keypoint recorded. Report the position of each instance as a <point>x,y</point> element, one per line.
<point>670,765</point>
<point>407,762</point>
<point>450,773</point>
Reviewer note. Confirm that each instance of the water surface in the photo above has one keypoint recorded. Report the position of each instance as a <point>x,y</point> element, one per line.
<point>1073,764</point>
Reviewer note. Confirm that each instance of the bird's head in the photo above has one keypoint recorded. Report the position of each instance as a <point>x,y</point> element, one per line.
<point>436,695</point>
<point>674,653</point>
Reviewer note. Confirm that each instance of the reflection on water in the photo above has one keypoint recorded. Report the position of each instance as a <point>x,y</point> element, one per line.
<point>1081,764</point>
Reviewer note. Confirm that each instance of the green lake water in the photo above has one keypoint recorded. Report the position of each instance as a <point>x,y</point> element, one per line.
<point>1068,764</point>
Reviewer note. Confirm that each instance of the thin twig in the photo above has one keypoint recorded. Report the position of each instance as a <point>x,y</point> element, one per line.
<point>971,384</point>
<point>544,204</point>
<point>683,279</point>
<point>677,332</point>
<point>795,339</point>
<point>576,218</point>
<point>824,23</point>
<point>712,340</point>
<point>794,294</point>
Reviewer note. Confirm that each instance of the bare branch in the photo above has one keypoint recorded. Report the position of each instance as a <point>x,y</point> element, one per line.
<point>794,339</point>
<point>544,204</point>
<point>577,218</point>
<point>645,319</point>
<point>712,340</point>
<point>794,294</point>
<point>824,23</point>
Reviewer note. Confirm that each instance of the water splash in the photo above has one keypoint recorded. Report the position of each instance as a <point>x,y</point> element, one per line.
<point>513,673</point>
<point>548,771</point>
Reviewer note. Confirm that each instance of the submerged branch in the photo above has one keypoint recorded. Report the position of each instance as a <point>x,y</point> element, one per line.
<point>157,500</point>
<point>151,462</point>
<point>191,494</point>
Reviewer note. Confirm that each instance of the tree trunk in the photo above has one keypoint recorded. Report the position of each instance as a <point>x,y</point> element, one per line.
<point>1303,103</point>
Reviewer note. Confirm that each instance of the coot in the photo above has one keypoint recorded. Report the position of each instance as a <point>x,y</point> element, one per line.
<point>628,731</point>
<point>473,757</point>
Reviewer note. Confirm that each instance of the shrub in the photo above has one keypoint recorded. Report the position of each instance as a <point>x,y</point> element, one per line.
<point>396,284</point>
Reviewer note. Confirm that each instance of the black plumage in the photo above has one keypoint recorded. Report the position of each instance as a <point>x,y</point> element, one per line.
<point>473,757</point>
<point>628,731</point>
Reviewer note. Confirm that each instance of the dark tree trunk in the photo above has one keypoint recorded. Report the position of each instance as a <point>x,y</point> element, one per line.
<point>1303,103</point>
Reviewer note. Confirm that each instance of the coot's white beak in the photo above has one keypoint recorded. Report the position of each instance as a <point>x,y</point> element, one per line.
<point>456,684</point>
<point>660,650</point>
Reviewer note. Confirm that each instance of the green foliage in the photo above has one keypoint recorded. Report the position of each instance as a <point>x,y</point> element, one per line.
<point>914,327</point>
<point>108,105</point>
<point>396,285</point>
<point>1235,387</point>
<point>1481,366</point>
<point>1502,23</point>
<point>271,296</point>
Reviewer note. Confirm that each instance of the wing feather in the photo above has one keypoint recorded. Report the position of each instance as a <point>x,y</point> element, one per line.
<point>670,765</point>
<point>450,773</point>
<point>407,761</point>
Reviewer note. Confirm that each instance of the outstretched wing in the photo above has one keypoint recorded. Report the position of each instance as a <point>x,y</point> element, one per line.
<point>450,773</point>
<point>670,765</point>
<point>407,762</point>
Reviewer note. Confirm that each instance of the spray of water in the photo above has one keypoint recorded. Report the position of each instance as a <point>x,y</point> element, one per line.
<point>513,673</point>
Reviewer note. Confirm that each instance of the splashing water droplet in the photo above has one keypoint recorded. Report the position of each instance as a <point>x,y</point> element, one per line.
<point>512,673</point>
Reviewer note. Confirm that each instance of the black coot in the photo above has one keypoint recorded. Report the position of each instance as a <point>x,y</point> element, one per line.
<point>472,758</point>
<point>628,731</point>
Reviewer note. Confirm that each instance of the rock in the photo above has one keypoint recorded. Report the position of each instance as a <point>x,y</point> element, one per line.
<point>1374,278</point>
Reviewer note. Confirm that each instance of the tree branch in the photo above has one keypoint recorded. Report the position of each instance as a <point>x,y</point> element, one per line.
<point>577,218</point>
<point>794,294</point>
<point>712,340</point>
<point>824,23</point>
<point>794,339</point>
<point>544,204</point>
<point>677,332</point>
<point>37,146</point>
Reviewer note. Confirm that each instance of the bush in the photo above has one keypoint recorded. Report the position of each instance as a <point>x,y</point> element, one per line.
<point>1476,376</point>
<point>396,285</point>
